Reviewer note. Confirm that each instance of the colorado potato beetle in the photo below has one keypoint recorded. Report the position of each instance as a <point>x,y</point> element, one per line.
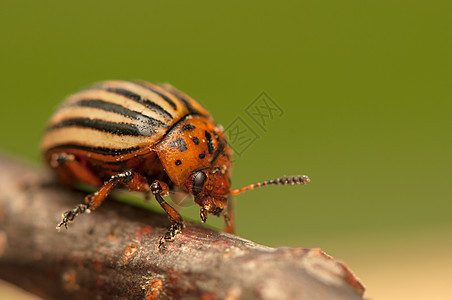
<point>146,137</point>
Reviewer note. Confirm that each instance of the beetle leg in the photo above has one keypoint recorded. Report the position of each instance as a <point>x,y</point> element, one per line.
<point>158,189</point>
<point>229,216</point>
<point>62,161</point>
<point>203,214</point>
<point>95,200</point>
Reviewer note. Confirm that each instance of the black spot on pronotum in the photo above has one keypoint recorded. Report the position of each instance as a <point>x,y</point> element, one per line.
<point>219,150</point>
<point>195,140</point>
<point>202,155</point>
<point>178,162</point>
<point>187,127</point>
<point>209,142</point>
<point>179,143</point>
<point>216,136</point>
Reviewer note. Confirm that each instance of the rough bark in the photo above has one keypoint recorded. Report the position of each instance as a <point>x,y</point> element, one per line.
<point>113,253</point>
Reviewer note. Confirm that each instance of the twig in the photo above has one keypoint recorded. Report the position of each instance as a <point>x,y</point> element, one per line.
<point>113,253</point>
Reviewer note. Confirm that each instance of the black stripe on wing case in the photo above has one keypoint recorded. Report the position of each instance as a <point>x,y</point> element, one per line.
<point>118,109</point>
<point>187,104</point>
<point>105,126</point>
<point>163,96</point>
<point>137,98</point>
<point>182,98</point>
<point>98,150</point>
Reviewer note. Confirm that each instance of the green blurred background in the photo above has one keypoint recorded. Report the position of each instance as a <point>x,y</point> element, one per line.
<point>366,91</point>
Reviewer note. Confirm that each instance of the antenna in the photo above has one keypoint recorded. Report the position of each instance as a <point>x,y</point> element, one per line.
<point>292,180</point>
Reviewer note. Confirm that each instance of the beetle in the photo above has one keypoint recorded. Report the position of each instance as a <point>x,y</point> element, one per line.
<point>146,137</point>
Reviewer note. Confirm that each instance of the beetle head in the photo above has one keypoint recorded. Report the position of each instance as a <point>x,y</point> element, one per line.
<point>210,188</point>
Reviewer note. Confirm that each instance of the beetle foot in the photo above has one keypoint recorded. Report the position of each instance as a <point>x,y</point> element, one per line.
<point>227,220</point>
<point>203,215</point>
<point>170,235</point>
<point>70,215</point>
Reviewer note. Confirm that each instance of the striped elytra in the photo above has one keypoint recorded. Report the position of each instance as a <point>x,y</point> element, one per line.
<point>145,137</point>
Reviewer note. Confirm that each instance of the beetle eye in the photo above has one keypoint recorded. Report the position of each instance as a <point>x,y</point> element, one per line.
<point>198,182</point>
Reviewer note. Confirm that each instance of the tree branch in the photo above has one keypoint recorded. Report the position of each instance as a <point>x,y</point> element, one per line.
<point>113,253</point>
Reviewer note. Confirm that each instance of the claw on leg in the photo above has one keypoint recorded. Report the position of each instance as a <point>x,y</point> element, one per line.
<point>70,215</point>
<point>94,200</point>
<point>170,235</point>
<point>158,189</point>
<point>203,215</point>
